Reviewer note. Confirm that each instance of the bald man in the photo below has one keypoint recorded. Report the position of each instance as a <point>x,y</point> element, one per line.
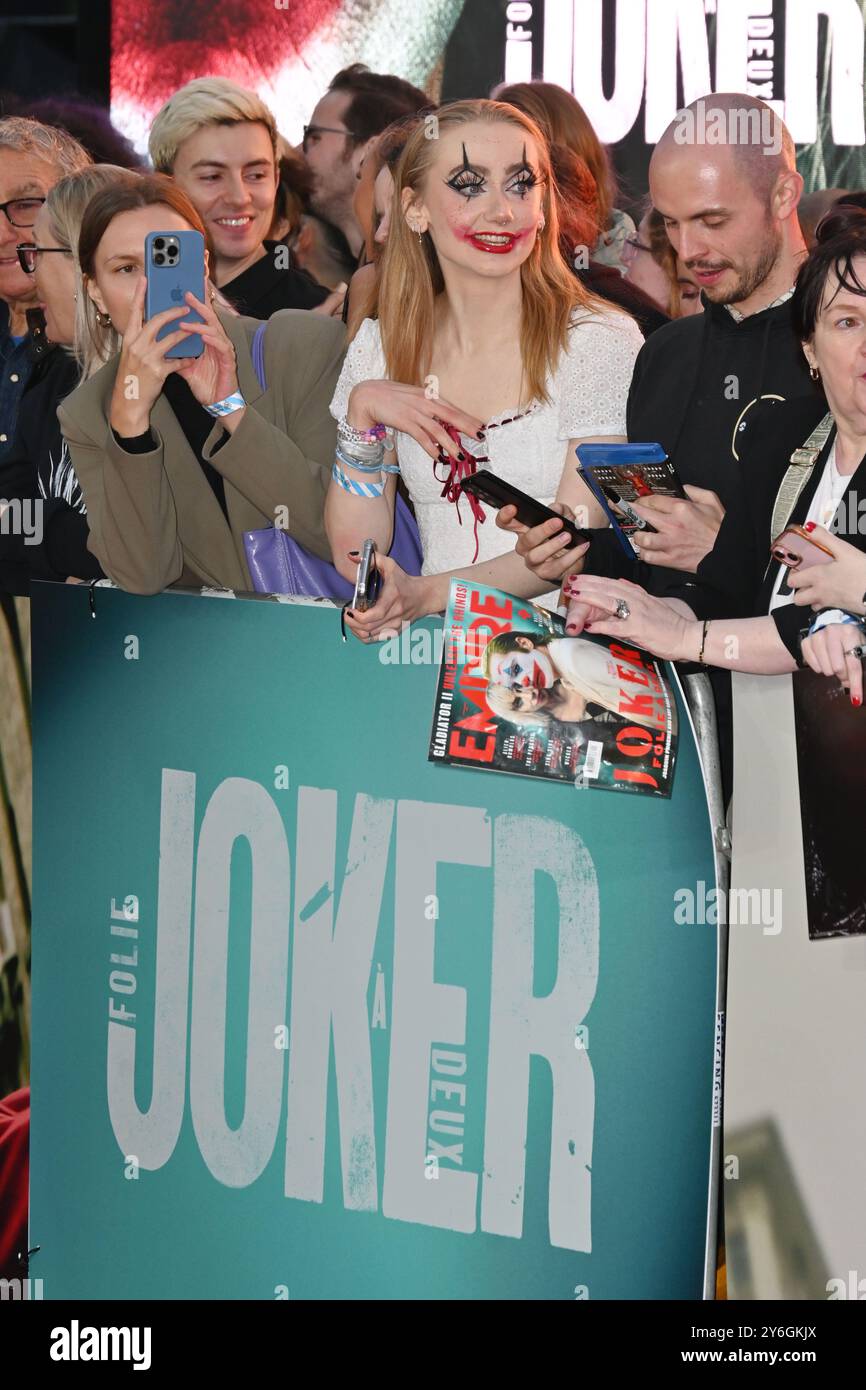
<point>730,209</point>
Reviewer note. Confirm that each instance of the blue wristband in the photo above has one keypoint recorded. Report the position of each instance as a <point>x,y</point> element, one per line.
<point>228,406</point>
<point>354,486</point>
<point>829,617</point>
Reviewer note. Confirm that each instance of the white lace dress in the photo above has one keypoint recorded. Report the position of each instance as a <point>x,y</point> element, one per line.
<point>588,394</point>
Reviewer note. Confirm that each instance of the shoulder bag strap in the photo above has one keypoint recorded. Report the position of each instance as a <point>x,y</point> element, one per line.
<point>802,462</point>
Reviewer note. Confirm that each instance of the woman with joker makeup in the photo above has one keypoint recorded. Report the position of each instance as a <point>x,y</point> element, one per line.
<point>535,677</point>
<point>487,352</point>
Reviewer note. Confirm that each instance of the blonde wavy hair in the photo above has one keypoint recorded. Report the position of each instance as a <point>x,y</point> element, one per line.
<point>65,205</point>
<point>411,276</point>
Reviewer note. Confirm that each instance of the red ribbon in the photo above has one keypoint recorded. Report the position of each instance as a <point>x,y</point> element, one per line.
<point>452,492</point>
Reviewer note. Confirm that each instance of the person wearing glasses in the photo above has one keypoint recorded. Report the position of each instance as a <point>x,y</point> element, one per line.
<point>357,107</point>
<point>37,478</point>
<point>653,266</point>
<point>219,142</point>
<point>32,158</point>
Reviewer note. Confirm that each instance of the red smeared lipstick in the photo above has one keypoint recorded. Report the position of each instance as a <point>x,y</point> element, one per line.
<point>495,243</point>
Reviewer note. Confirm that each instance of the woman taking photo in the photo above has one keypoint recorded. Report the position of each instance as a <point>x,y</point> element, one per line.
<point>178,457</point>
<point>486,351</point>
<point>818,488</point>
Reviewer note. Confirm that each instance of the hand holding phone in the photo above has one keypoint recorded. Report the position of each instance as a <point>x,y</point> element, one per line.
<point>797,549</point>
<point>498,493</point>
<point>174,267</point>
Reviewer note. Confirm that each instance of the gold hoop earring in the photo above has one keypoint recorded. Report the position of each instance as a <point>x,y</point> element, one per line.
<point>814,374</point>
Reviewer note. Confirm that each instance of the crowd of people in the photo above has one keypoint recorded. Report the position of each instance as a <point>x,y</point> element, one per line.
<point>412,294</point>
<point>416,292</point>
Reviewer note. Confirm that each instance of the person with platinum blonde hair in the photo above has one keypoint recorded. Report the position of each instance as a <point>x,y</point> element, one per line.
<point>219,142</point>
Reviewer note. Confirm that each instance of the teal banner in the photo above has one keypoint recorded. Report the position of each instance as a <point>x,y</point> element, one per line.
<point>316,1019</point>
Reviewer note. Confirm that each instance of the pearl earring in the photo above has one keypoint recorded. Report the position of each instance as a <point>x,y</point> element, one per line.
<point>541,223</point>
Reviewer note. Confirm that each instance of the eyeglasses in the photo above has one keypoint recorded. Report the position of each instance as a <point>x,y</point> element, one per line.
<point>323,130</point>
<point>29,253</point>
<point>21,212</point>
<point>635,245</point>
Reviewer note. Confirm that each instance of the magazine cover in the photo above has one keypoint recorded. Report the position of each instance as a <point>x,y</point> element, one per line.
<point>517,695</point>
<point>619,474</point>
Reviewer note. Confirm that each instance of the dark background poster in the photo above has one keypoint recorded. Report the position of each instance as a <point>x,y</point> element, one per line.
<point>831,761</point>
<point>631,63</point>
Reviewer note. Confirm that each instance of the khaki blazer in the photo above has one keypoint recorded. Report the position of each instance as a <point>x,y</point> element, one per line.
<point>153,517</point>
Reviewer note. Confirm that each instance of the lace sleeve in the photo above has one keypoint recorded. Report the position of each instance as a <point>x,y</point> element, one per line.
<point>594,376</point>
<point>364,361</point>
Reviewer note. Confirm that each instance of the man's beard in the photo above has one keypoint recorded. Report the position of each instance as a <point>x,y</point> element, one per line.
<point>752,278</point>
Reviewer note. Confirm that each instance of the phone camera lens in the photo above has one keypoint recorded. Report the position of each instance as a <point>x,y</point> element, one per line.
<point>159,242</point>
<point>159,258</point>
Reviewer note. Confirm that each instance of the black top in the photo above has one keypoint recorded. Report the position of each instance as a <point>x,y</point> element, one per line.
<point>196,424</point>
<point>273,282</point>
<point>696,389</point>
<point>38,469</point>
<point>740,561</point>
<point>607,282</point>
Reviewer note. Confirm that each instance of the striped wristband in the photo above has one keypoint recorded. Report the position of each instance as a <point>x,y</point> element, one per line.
<point>354,485</point>
<point>228,406</point>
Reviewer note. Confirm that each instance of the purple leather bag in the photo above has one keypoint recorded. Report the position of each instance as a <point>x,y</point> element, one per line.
<point>280,565</point>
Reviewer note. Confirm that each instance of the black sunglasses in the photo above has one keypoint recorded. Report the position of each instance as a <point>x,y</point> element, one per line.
<point>21,212</point>
<point>29,253</point>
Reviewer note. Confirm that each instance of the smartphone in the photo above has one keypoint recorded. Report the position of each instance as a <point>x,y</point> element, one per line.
<point>498,493</point>
<point>796,549</point>
<point>174,264</point>
<point>368,582</point>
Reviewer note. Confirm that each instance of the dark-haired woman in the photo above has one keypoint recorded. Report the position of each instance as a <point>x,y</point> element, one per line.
<point>178,457</point>
<point>821,605</point>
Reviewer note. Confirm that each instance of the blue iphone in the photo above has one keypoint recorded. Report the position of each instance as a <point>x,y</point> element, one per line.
<point>174,264</point>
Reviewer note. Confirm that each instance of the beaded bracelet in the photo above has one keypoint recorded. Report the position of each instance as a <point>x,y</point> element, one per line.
<point>374,435</point>
<point>354,486</point>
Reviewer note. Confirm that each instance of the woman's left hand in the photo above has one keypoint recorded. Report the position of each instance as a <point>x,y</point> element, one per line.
<point>828,653</point>
<point>402,599</point>
<point>214,375</point>
<point>840,583</point>
<point>651,623</point>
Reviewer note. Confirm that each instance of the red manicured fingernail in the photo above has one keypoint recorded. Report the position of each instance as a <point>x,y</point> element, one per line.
<point>855,700</point>
<point>587,626</point>
<point>571,627</point>
<point>809,526</point>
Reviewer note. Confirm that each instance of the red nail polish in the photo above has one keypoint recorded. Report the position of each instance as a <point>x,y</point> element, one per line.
<point>855,700</point>
<point>571,627</point>
<point>809,526</point>
<point>587,626</point>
